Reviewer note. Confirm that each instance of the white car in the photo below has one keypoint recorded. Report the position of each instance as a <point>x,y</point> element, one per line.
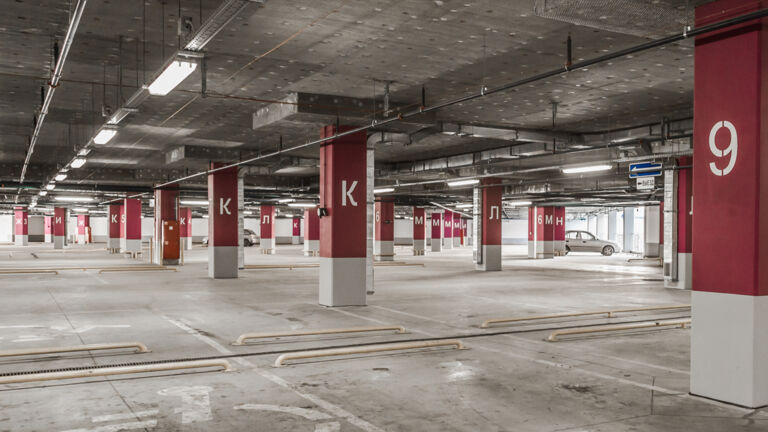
<point>583,241</point>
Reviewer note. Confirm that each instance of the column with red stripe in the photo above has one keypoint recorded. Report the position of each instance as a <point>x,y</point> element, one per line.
<point>343,221</point>
<point>729,347</point>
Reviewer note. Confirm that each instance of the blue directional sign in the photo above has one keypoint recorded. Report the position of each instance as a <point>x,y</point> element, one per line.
<point>646,169</point>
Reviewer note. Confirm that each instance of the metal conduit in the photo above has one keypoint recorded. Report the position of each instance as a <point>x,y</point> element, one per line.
<point>70,36</point>
<point>686,33</point>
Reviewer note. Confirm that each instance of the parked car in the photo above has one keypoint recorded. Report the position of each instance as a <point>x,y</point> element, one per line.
<point>249,238</point>
<point>583,241</point>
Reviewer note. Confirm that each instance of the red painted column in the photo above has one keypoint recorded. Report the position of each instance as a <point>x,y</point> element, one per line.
<point>223,231</point>
<point>490,217</point>
<point>464,232</point>
<point>113,228</point>
<point>21,226</point>
<point>437,232</point>
<point>296,231</point>
<point>729,348</point>
<point>456,229</point>
<point>59,227</point>
<point>83,226</point>
<point>48,221</point>
<point>419,230</point>
<point>343,227</point>
<point>166,210</point>
<point>559,231</point>
<point>447,229</point>
<point>311,232</point>
<point>545,232</point>
<point>384,226</point>
<point>185,227</point>
<point>130,240</point>
<point>267,229</point>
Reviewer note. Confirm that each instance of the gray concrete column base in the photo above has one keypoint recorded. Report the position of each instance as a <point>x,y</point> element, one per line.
<point>491,258</point>
<point>222,262</point>
<point>342,281</point>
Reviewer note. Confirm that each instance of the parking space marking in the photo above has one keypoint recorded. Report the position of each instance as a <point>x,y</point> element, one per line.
<point>195,402</point>
<point>118,427</point>
<point>123,416</point>
<point>328,406</point>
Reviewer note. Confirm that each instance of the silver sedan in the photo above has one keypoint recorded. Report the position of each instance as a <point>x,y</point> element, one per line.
<point>583,241</point>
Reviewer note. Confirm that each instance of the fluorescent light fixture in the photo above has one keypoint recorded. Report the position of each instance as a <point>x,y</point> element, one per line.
<point>73,199</point>
<point>286,200</point>
<point>84,151</point>
<point>383,190</point>
<point>205,216</point>
<point>60,177</point>
<point>247,212</point>
<point>463,182</point>
<point>77,162</point>
<point>194,202</point>
<point>104,135</point>
<point>43,193</point>
<point>519,203</point>
<point>463,205</point>
<point>172,76</point>
<point>303,205</point>
<point>80,209</point>
<point>32,205</point>
<point>50,186</point>
<point>586,169</point>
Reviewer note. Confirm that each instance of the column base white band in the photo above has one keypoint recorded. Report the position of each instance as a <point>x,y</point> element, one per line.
<point>729,350</point>
<point>130,245</point>
<point>48,238</point>
<point>384,250</point>
<point>267,246</point>
<point>418,246</point>
<point>58,242</point>
<point>22,240</point>
<point>545,249</point>
<point>559,247</point>
<point>186,243</point>
<point>447,242</point>
<point>342,281</point>
<point>531,249</point>
<point>456,241</point>
<point>684,273</point>
<point>222,262</point>
<point>311,247</point>
<point>295,240</point>
<point>81,239</point>
<point>491,258</point>
<point>437,245</point>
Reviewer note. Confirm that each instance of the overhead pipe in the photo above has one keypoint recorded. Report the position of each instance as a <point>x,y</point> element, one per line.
<point>54,82</point>
<point>686,33</point>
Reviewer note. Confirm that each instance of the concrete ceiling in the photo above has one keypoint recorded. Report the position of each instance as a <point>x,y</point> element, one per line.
<point>273,51</point>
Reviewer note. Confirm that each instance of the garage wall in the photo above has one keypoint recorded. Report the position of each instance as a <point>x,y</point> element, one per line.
<point>36,226</point>
<point>6,228</point>
<point>514,231</point>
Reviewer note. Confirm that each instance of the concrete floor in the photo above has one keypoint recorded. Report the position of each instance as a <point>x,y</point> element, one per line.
<point>511,382</point>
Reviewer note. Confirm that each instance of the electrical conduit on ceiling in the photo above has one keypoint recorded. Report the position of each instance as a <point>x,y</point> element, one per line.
<point>54,82</point>
<point>687,33</point>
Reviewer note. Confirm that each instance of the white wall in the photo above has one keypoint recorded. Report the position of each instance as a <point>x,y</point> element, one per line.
<point>576,225</point>
<point>514,231</point>
<point>403,231</point>
<point>6,228</point>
